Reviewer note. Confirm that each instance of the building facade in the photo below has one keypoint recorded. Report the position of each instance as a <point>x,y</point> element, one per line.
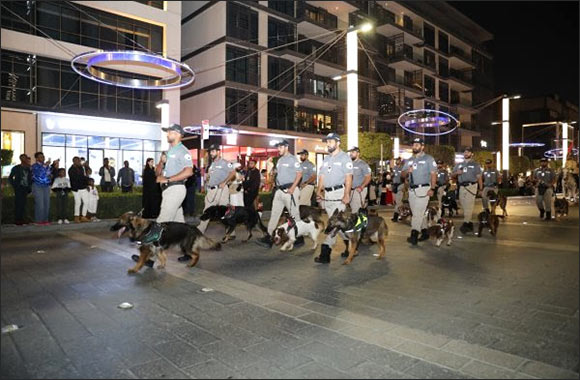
<point>47,106</point>
<point>266,68</point>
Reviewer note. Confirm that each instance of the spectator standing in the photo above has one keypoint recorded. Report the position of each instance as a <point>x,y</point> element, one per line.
<point>107,174</point>
<point>126,178</point>
<point>41,189</point>
<point>54,170</point>
<point>61,188</point>
<point>21,180</point>
<point>189,201</point>
<point>93,201</point>
<point>79,183</point>
<point>252,182</point>
<point>521,184</point>
<point>151,191</point>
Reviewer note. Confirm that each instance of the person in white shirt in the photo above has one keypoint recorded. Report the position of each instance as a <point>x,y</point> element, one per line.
<point>93,200</point>
<point>236,191</point>
<point>61,187</point>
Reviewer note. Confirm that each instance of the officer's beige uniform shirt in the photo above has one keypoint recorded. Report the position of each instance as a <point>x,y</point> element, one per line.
<point>470,170</point>
<point>423,165</point>
<point>546,176</point>
<point>360,170</point>
<point>287,168</point>
<point>218,172</point>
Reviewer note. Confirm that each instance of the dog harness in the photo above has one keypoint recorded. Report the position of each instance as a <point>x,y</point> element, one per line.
<point>154,234</point>
<point>362,221</point>
<point>292,225</point>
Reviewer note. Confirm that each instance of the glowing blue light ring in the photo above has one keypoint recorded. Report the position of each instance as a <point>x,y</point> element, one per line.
<point>557,153</point>
<point>527,145</point>
<point>84,65</point>
<point>216,130</point>
<point>412,112</point>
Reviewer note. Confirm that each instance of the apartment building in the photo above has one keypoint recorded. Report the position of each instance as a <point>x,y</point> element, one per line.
<point>47,106</point>
<point>255,70</point>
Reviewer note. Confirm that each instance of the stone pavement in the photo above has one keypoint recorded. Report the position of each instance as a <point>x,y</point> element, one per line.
<point>504,307</point>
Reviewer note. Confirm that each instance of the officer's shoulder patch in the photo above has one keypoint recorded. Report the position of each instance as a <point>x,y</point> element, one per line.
<point>297,164</point>
<point>434,164</point>
<point>230,165</point>
<point>349,165</point>
<point>187,157</point>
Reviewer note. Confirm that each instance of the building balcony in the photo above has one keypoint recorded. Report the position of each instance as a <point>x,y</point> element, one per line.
<point>406,60</point>
<point>460,80</point>
<point>314,21</point>
<point>459,59</point>
<point>316,92</point>
<point>463,104</point>
<point>389,24</point>
<point>397,83</point>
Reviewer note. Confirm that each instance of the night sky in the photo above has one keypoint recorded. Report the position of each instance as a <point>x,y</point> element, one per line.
<point>535,45</point>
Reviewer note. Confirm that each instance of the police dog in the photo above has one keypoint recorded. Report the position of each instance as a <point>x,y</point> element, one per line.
<point>443,229</point>
<point>433,215</point>
<point>231,216</point>
<point>286,234</point>
<point>489,220</point>
<point>495,200</point>
<point>404,211</point>
<point>560,207</point>
<point>449,203</point>
<point>307,213</point>
<point>124,225</point>
<point>189,239</point>
<point>375,231</point>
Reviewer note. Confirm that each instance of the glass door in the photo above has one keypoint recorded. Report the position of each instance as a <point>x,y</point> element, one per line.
<point>95,158</point>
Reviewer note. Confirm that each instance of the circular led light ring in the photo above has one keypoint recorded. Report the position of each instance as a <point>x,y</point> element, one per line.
<point>557,153</point>
<point>213,130</point>
<point>84,65</point>
<point>430,121</point>
<point>527,145</point>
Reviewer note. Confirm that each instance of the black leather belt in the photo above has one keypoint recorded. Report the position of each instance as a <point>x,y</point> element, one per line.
<point>492,185</point>
<point>284,187</point>
<point>467,183</point>
<point>418,186</point>
<point>213,187</point>
<point>332,188</point>
<point>169,184</point>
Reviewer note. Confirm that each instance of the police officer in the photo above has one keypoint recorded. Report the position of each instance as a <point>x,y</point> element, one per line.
<point>308,179</point>
<point>421,170</point>
<point>335,178</point>
<point>468,175</point>
<point>220,173</point>
<point>442,181</point>
<point>544,178</point>
<point>361,177</point>
<point>398,184</point>
<point>287,193</point>
<point>172,171</point>
<point>491,179</point>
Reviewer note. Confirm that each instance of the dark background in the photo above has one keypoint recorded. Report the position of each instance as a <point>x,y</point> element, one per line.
<point>535,46</point>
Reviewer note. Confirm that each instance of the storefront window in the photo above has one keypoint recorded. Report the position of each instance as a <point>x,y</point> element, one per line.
<point>13,141</point>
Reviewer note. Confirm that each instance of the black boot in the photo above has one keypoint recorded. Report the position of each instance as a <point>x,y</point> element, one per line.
<point>345,253</point>
<point>395,217</point>
<point>184,258</point>
<point>413,238</point>
<point>266,241</point>
<point>424,235</point>
<point>548,216</point>
<point>148,263</point>
<point>299,242</point>
<point>324,257</point>
<point>542,213</point>
<point>470,226</point>
<point>464,228</point>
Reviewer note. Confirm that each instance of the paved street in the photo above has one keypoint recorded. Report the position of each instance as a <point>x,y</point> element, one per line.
<point>504,307</point>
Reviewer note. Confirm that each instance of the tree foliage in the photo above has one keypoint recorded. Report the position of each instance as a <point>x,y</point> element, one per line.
<point>482,155</point>
<point>369,144</point>
<point>519,164</point>
<point>6,157</point>
<point>445,153</point>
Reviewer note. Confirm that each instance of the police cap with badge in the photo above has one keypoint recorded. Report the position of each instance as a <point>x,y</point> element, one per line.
<point>282,143</point>
<point>331,136</point>
<point>174,127</point>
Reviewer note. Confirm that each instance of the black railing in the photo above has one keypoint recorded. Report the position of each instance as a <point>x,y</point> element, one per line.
<point>316,15</point>
<point>463,76</point>
<point>454,50</point>
<point>308,85</point>
<point>384,16</point>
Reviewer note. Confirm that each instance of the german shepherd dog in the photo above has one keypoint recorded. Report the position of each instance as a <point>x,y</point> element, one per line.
<point>124,225</point>
<point>231,216</point>
<point>376,231</point>
<point>560,207</point>
<point>488,219</point>
<point>449,203</point>
<point>495,200</point>
<point>189,239</point>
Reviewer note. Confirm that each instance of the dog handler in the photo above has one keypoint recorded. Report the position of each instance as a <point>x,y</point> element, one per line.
<point>397,187</point>
<point>336,178</point>
<point>308,179</point>
<point>361,177</point>
<point>442,182</point>
<point>545,179</point>
<point>468,174</point>
<point>173,169</point>
<point>491,179</point>
<point>422,172</point>
<point>287,193</point>
<point>219,174</point>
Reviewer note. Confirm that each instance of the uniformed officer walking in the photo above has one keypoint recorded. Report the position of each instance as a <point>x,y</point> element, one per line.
<point>335,178</point>
<point>217,193</point>
<point>361,177</point>
<point>287,193</point>
<point>421,170</point>
<point>491,180</point>
<point>442,181</point>
<point>544,178</point>
<point>398,183</point>
<point>172,171</point>
<point>468,174</point>
<point>308,179</point>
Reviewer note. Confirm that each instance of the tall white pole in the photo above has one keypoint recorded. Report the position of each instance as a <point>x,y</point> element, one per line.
<point>352,88</point>
<point>505,133</point>
<point>396,147</point>
<point>498,160</point>
<point>164,106</point>
<point>564,144</point>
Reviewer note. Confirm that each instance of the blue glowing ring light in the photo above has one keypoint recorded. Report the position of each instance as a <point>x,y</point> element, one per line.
<point>557,153</point>
<point>527,145</point>
<point>84,65</point>
<point>410,121</point>
<point>215,130</point>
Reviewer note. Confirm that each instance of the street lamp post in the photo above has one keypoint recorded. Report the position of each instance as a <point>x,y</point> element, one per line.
<point>163,105</point>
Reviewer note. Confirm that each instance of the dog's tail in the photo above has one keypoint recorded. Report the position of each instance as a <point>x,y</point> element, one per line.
<point>204,242</point>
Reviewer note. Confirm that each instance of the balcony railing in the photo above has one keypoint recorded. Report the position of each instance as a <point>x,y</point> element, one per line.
<point>403,54</point>
<point>334,55</point>
<point>454,50</point>
<point>384,16</point>
<point>399,79</point>
<point>462,76</point>
<point>462,102</point>
<point>317,87</point>
<point>316,15</point>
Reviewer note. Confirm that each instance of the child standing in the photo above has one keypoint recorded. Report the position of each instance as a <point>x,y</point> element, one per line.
<point>93,201</point>
<point>61,187</point>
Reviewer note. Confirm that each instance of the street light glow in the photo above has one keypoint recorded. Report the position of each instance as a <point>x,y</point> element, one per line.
<point>505,133</point>
<point>337,77</point>
<point>516,97</point>
<point>367,27</point>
